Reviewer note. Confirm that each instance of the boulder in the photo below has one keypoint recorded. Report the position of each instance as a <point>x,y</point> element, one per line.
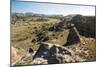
<point>54,54</point>
<point>16,55</point>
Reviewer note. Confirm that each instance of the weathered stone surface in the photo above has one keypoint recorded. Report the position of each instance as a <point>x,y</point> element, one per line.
<point>54,53</point>
<point>86,25</point>
<point>16,55</point>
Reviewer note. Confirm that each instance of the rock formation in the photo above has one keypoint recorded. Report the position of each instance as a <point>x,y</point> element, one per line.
<point>53,54</point>
<point>86,25</point>
<point>16,55</point>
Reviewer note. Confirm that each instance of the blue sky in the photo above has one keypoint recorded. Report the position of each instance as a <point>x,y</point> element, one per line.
<point>49,9</point>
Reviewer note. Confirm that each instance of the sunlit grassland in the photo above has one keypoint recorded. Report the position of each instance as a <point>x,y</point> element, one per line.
<point>23,33</point>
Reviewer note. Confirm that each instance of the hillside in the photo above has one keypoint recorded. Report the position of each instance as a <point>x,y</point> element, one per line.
<point>74,34</point>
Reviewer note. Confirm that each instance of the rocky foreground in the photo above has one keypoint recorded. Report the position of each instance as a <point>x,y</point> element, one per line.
<point>71,40</point>
<point>54,54</point>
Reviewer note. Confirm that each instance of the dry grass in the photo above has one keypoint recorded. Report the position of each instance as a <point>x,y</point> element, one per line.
<point>23,33</point>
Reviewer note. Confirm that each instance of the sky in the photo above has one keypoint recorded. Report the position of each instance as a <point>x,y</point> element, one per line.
<point>50,9</point>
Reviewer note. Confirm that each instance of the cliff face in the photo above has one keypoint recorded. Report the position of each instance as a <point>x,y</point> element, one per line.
<point>86,25</point>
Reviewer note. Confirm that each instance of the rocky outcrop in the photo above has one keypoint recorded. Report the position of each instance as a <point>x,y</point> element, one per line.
<point>16,55</point>
<point>73,37</point>
<point>54,53</point>
<point>86,25</point>
<point>68,31</point>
